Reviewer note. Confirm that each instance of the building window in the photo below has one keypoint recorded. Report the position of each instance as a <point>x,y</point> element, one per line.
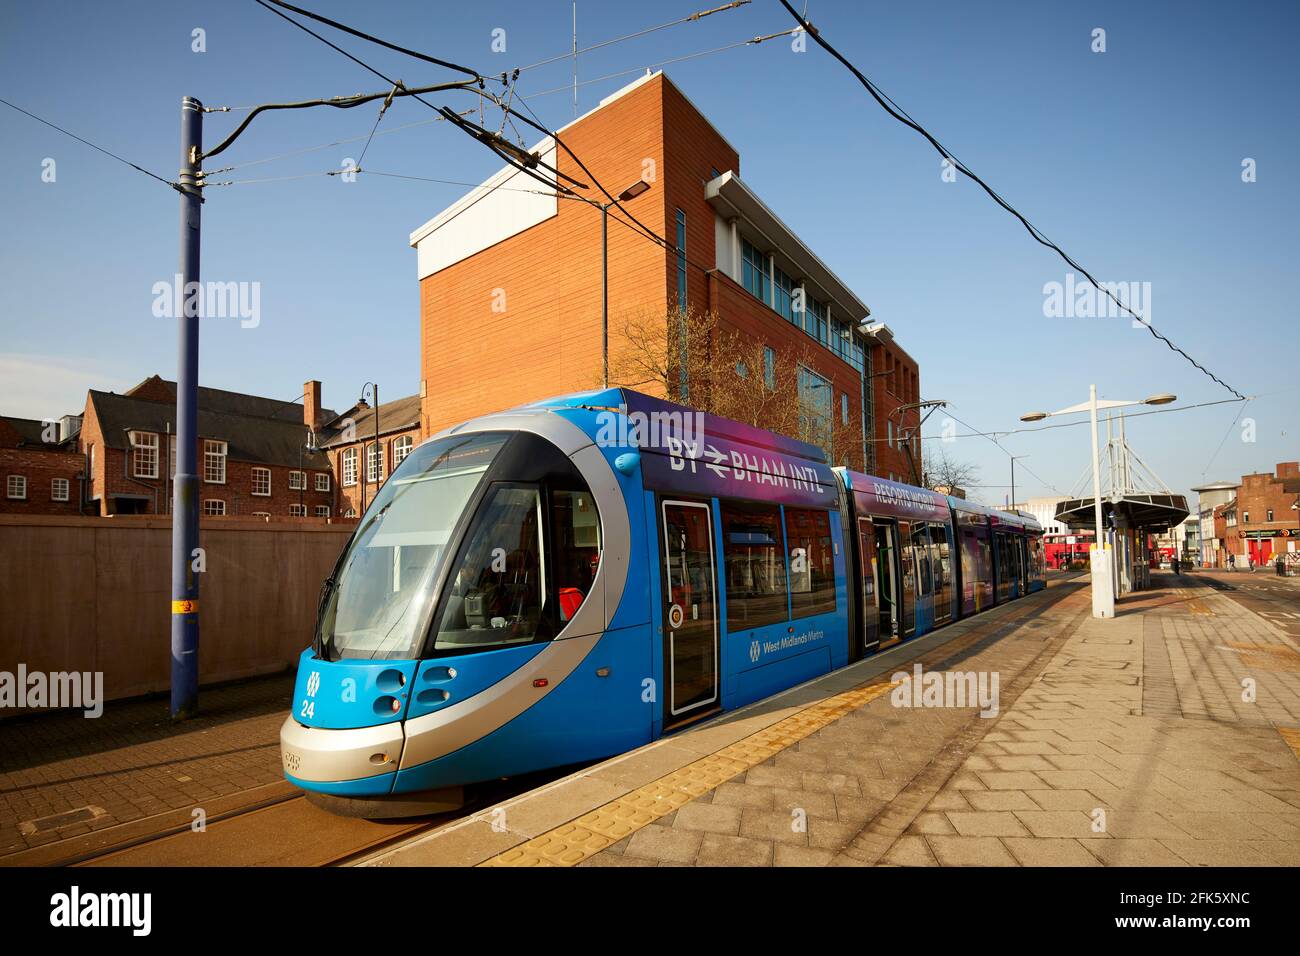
<point>1270,514</point>
<point>401,448</point>
<point>844,408</point>
<point>322,511</point>
<point>322,481</point>
<point>375,463</point>
<point>681,259</point>
<point>262,514</point>
<point>350,513</point>
<point>769,368</point>
<point>349,466</point>
<point>815,403</point>
<point>1245,517</point>
<point>59,489</point>
<point>784,295</point>
<point>16,487</point>
<point>261,482</point>
<point>214,463</point>
<point>742,370</point>
<point>297,481</point>
<point>144,454</point>
<point>214,506</point>
<point>297,511</point>
<point>889,434</point>
<point>171,456</point>
<point>754,273</point>
<point>816,323</point>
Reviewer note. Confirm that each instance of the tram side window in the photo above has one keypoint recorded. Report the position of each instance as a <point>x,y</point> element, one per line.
<point>943,561</point>
<point>921,548</point>
<point>575,546</point>
<point>812,562</point>
<point>496,594</point>
<point>754,555</point>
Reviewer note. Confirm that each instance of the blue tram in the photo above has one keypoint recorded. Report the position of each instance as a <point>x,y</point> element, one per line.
<point>568,580</point>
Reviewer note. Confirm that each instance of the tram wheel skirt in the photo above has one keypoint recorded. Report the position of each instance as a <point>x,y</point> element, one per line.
<point>418,804</point>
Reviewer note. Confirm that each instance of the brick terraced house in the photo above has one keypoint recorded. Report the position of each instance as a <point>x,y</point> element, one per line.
<point>40,466</point>
<point>510,282</point>
<point>256,456</point>
<point>360,464</point>
<point>1268,524</point>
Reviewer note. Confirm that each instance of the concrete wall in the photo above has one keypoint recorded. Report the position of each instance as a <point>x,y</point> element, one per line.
<point>94,594</point>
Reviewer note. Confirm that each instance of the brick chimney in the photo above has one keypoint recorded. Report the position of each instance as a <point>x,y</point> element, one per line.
<point>1288,469</point>
<point>311,413</point>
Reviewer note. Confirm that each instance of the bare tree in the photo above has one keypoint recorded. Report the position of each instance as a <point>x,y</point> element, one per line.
<point>941,470</point>
<point>693,358</point>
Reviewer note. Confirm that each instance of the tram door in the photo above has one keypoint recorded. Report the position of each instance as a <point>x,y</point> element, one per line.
<point>870,593</point>
<point>941,562</point>
<point>887,584</point>
<point>690,611</point>
<point>1002,566</point>
<point>907,581</point>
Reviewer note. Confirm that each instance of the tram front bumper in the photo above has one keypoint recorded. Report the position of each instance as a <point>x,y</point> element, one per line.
<point>315,755</point>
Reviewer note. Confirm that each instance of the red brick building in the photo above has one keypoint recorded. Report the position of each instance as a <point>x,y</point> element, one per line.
<point>40,466</point>
<point>359,463</point>
<point>510,279</point>
<point>256,456</point>
<point>1266,524</point>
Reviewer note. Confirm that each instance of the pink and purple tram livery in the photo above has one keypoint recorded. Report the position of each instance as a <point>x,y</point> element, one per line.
<point>568,580</point>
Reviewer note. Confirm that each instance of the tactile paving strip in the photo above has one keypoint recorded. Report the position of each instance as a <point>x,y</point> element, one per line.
<point>575,841</point>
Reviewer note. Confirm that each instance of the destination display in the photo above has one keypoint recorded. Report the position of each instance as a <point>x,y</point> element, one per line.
<point>878,496</point>
<point>695,453</point>
<point>730,469</point>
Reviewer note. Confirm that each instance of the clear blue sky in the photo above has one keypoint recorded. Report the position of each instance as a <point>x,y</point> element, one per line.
<point>1129,159</point>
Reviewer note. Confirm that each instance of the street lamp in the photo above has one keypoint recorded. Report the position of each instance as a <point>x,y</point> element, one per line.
<point>636,189</point>
<point>1103,592</point>
<point>1014,459</point>
<point>309,448</point>
<point>373,389</point>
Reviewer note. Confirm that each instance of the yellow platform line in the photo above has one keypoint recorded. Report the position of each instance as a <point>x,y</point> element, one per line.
<point>572,842</point>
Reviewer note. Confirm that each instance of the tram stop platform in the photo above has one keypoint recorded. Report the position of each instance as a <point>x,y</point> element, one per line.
<point>1167,736</point>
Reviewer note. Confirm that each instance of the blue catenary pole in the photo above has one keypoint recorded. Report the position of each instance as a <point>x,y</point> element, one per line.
<point>185,505</point>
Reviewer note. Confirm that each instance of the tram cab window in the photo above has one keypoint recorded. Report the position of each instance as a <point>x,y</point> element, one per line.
<point>377,601</point>
<point>812,561</point>
<point>497,590</point>
<point>754,555</point>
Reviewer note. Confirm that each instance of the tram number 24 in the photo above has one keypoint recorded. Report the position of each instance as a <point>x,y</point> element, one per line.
<point>308,709</point>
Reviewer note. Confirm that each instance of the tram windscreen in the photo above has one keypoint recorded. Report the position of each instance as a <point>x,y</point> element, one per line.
<point>381,597</point>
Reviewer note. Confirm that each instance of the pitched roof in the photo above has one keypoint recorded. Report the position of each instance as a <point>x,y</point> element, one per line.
<point>398,415</point>
<point>249,437</point>
<point>30,432</point>
<point>239,403</point>
<point>28,429</point>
